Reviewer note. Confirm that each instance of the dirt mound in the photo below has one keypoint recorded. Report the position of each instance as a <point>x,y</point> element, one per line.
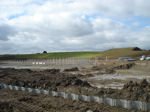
<point>139,91</point>
<point>19,101</point>
<point>72,84</point>
<point>46,82</point>
<point>77,82</point>
<point>6,107</point>
<point>125,66</point>
<point>131,85</point>
<point>103,69</point>
<point>53,71</point>
<point>131,91</point>
<point>48,79</point>
<point>71,70</point>
<point>110,69</point>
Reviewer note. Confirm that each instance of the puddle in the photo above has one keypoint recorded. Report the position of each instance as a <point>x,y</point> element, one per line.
<point>119,77</point>
<point>114,81</point>
<point>24,67</point>
<point>36,67</point>
<point>113,85</point>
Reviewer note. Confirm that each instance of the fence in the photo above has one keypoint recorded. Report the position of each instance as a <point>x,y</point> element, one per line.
<point>60,63</point>
<point>128,104</point>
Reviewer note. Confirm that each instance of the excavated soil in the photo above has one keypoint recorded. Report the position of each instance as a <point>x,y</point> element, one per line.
<point>51,79</point>
<point>71,70</point>
<point>69,81</point>
<point>18,101</point>
<point>55,80</point>
<point>131,91</point>
<point>111,67</point>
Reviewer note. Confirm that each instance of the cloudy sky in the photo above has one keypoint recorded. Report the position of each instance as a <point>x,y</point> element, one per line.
<point>30,26</point>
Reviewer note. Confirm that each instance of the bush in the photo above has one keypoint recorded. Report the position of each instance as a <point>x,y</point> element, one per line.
<point>44,51</point>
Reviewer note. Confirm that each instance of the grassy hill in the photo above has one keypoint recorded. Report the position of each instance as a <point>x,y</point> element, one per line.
<point>111,54</point>
<point>125,52</point>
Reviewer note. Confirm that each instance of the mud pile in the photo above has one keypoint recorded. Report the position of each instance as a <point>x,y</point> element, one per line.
<point>111,68</point>
<point>19,101</point>
<point>131,91</point>
<point>125,66</point>
<point>71,83</point>
<point>71,69</point>
<point>48,79</point>
<point>6,107</point>
<point>103,69</point>
<point>53,71</point>
<point>138,91</point>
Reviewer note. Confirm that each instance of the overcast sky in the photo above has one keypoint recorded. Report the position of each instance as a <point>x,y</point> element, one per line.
<point>30,26</point>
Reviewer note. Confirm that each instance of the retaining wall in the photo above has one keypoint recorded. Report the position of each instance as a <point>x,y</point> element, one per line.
<point>128,104</point>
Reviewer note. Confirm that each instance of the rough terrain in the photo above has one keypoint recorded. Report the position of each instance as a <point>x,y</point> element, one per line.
<point>17,101</point>
<point>70,81</point>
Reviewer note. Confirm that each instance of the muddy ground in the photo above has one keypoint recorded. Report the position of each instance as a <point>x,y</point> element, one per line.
<point>114,75</point>
<point>17,101</point>
<point>69,81</point>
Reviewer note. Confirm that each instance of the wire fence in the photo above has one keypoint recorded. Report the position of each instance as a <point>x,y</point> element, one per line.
<point>59,63</point>
<point>128,104</point>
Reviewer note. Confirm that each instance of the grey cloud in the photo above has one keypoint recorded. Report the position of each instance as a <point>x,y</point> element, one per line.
<point>45,38</point>
<point>124,9</point>
<point>67,28</point>
<point>6,31</point>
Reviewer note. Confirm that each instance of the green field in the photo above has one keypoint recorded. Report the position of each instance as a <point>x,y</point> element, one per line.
<point>111,54</point>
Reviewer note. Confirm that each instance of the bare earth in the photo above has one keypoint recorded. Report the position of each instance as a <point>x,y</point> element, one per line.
<point>16,101</point>
<point>80,81</point>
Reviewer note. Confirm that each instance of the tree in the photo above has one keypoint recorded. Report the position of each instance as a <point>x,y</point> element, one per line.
<point>44,51</point>
<point>137,49</point>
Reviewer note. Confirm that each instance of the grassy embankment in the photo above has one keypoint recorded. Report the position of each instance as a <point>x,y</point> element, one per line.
<point>111,54</point>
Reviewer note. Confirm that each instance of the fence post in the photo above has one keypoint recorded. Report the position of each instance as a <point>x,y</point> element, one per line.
<point>55,61</point>
<point>95,61</point>
<point>106,58</point>
<point>59,61</point>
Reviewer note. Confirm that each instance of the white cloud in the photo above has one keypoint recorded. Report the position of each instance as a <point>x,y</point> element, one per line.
<point>72,41</point>
<point>67,25</point>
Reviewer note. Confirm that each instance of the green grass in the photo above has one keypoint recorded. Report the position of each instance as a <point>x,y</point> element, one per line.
<point>55,55</point>
<point>111,54</point>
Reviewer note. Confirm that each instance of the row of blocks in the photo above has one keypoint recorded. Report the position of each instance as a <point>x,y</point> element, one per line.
<point>128,104</point>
